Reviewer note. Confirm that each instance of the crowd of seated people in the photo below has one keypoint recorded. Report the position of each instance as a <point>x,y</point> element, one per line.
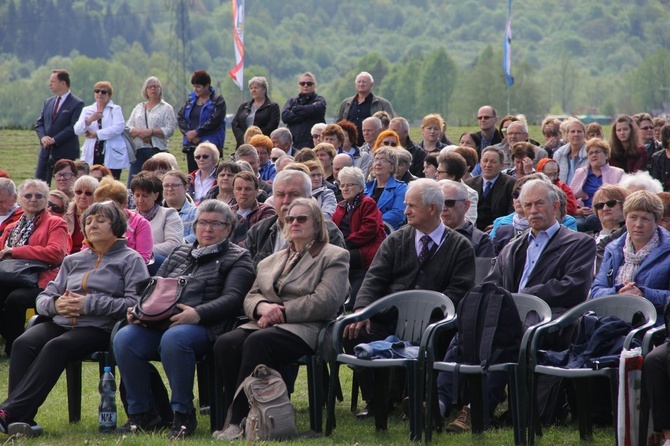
<point>287,234</point>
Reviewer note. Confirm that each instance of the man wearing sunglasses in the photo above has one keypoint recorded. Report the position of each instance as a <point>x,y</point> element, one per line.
<point>55,126</point>
<point>303,111</point>
<point>487,118</point>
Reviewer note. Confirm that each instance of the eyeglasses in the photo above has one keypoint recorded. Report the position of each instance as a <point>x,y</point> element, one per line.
<point>212,224</point>
<point>30,196</point>
<point>101,91</point>
<point>483,118</point>
<point>57,209</point>
<point>64,176</point>
<point>316,136</point>
<point>390,143</point>
<point>647,128</point>
<point>516,194</point>
<point>305,84</point>
<point>172,186</point>
<point>595,152</point>
<point>442,171</point>
<point>610,204</point>
<point>380,160</point>
<point>302,218</point>
<point>347,185</point>
<point>451,203</point>
<point>201,156</point>
<point>88,193</point>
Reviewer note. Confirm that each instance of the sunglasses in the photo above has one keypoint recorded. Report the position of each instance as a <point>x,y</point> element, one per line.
<point>610,204</point>
<point>88,193</point>
<point>299,218</point>
<point>201,157</point>
<point>390,143</point>
<point>57,209</point>
<point>483,118</point>
<point>305,84</point>
<point>516,194</point>
<point>451,203</point>
<point>646,128</point>
<point>30,196</point>
<point>101,91</point>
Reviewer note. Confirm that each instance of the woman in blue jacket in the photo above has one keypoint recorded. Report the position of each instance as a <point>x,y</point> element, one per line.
<point>202,118</point>
<point>639,262</point>
<point>388,193</point>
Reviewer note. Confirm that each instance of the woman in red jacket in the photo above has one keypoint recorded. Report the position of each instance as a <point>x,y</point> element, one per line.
<point>37,235</point>
<point>360,221</point>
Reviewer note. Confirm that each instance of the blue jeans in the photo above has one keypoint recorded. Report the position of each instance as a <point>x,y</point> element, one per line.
<point>177,348</point>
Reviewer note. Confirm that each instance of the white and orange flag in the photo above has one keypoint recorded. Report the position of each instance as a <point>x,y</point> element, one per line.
<point>237,73</point>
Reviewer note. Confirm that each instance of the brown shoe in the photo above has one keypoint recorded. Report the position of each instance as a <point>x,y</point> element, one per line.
<point>462,423</point>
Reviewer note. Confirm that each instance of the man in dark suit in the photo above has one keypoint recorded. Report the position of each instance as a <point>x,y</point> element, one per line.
<point>424,254</point>
<point>494,189</point>
<point>55,126</point>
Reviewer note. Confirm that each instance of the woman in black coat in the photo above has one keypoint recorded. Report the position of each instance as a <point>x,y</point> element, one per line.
<point>261,111</point>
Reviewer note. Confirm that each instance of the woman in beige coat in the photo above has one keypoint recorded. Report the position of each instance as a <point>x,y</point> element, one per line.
<point>296,292</point>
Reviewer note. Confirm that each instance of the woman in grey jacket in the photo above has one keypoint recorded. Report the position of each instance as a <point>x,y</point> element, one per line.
<point>219,271</point>
<point>91,292</point>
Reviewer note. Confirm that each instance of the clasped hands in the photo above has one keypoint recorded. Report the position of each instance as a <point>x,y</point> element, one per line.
<point>270,314</point>
<point>71,304</point>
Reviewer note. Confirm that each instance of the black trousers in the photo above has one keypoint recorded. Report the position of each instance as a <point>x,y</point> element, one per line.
<point>13,306</point>
<point>238,352</point>
<point>656,370</point>
<point>40,356</point>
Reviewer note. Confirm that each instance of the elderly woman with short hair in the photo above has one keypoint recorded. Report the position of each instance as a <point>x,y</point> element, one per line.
<point>151,124</point>
<point>404,163</point>
<point>218,271</point>
<point>203,179</point>
<point>261,111</point>
<point>385,190</point>
<point>102,124</point>
<point>92,290</point>
<point>639,262</point>
<point>297,291</point>
<point>36,235</point>
<point>84,188</point>
<point>167,228</point>
<point>360,221</point>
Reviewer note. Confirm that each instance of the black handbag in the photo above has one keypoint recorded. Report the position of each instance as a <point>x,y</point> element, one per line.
<point>18,273</point>
<point>158,302</point>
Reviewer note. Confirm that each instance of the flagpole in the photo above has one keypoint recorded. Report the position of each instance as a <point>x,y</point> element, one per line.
<point>237,73</point>
<point>507,53</point>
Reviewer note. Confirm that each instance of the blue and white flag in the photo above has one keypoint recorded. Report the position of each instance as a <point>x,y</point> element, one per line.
<point>507,47</point>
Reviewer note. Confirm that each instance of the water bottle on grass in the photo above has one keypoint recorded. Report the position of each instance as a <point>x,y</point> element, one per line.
<point>107,409</point>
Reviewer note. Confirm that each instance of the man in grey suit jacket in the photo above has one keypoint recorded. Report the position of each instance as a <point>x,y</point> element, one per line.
<point>55,126</point>
<point>447,266</point>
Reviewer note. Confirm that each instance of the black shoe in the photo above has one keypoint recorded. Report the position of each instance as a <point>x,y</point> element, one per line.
<point>183,425</point>
<point>146,421</point>
<point>368,411</point>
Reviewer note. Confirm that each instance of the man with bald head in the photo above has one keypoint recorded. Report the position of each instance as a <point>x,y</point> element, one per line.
<point>340,161</point>
<point>487,118</point>
<point>363,105</point>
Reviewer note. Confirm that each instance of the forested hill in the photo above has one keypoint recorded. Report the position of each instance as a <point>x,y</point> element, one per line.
<point>567,54</point>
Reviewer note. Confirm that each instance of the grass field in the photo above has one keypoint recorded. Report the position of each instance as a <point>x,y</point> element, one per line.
<point>18,154</point>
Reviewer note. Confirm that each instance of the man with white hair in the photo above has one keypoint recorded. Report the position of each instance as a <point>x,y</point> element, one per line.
<point>456,206</point>
<point>372,127</point>
<point>363,105</point>
<point>401,127</point>
<point>10,211</point>
<point>424,254</point>
<point>282,139</point>
<point>265,237</point>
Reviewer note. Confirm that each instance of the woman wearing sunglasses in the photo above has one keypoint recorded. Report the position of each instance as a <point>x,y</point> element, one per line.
<point>387,138</point>
<point>202,179</point>
<point>37,235</point>
<point>84,188</point>
<point>102,124</point>
<point>58,203</point>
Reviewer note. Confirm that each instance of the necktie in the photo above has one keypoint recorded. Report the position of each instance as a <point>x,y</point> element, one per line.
<point>423,255</point>
<point>487,188</point>
<point>53,115</point>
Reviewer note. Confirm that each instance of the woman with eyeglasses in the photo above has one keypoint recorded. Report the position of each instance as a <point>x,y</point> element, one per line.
<point>84,188</point>
<point>360,221</point>
<point>58,203</point>
<point>588,179</point>
<point>220,273</point>
<point>37,235</point>
<point>151,123</point>
<point>385,190</point>
<point>175,183</point>
<point>608,204</point>
<point>167,228</point>
<point>91,292</point>
<point>297,291</point>
<point>628,152</point>
<point>103,124</point>
<point>203,179</point>
<point>65,173</point>
<point>431,132</point>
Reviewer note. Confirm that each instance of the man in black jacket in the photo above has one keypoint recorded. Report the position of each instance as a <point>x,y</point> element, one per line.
<point>302,112</point>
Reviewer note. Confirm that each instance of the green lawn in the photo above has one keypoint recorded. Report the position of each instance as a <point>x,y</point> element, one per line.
<point>18,153</point>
